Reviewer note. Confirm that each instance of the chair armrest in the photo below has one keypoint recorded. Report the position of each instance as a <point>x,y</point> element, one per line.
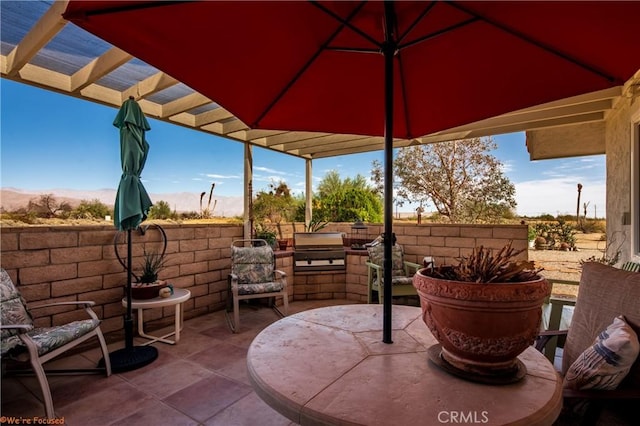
<point>281,274</point>
<point>376,269</point>
<point>623,393</point>
<point>373,265</point>
<point>553,281</point>
<point>567,282</point>
<point>22,327</point>
<point>411,265</point>
<point>86,303</point>
<point>544,337</point>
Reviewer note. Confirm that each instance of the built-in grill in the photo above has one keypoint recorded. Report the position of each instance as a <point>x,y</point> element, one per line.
<point>318,251</point>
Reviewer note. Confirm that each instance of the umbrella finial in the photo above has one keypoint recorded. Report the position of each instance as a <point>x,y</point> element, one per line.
<point>131,97</point>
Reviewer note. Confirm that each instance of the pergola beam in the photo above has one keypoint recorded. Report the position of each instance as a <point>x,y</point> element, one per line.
<point>156,83</point>
<point>42,32</point>
<point>98,68</point>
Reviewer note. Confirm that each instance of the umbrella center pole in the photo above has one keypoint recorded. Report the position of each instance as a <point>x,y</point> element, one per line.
<point>128,319</point>
<point>389,48</point>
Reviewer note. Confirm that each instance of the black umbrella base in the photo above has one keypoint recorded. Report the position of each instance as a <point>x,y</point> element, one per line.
<point>128,359</point>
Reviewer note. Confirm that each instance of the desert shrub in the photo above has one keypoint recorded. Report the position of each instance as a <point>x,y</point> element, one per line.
<point>161,210</point>
<point>590,226</point>
<point>566,218</point>
<point>189,215</point>
<point>94,209</point>
<point>556,233</point>
<point>21,215</point>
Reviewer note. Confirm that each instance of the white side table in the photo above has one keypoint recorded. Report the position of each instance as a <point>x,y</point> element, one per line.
<point>179,296</point>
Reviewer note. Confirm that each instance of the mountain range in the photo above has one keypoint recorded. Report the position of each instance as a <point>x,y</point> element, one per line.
<point>15,198</point>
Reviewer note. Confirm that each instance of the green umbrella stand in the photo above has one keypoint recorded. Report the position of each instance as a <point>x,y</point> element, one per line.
<point>131,207</point>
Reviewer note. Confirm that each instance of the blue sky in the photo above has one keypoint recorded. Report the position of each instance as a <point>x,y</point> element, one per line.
<point>52,141</point>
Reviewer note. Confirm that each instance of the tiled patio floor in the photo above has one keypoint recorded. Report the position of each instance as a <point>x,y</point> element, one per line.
<point>200,381</point>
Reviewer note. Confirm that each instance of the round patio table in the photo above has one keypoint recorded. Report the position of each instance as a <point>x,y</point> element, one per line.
<point>329,366</point>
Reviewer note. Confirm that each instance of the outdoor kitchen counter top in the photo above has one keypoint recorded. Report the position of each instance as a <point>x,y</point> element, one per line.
<point>283,253</point>
<point>348,251</point>
<point>329,366</point>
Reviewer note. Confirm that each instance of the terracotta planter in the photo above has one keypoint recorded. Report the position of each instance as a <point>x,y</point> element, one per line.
<point>482,327</point>
<point>282,244</point>
<point>147,291</point>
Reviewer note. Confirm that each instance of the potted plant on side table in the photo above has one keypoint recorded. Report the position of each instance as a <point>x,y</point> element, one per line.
<point>484,312</point>
<point>148,286</point>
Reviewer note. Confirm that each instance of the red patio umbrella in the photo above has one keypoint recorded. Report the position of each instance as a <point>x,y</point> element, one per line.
<point>398,69</point>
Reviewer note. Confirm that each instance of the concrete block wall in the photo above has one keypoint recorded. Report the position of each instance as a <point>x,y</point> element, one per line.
<point>284,262</point>
<point>70,263</point>
<point>319,285</point>
<point>444,242</point>
<point>356,285</point>
<point>447,242</point>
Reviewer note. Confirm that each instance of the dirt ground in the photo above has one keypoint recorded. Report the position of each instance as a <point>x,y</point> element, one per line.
<point>565,265</point>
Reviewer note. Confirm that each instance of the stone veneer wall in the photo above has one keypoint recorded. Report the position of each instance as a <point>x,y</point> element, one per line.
<point>68,263</point>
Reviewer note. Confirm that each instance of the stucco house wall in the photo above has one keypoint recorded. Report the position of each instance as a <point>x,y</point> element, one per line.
<point>619,139</point>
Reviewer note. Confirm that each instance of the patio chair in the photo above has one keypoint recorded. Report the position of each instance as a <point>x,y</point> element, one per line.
<point>605,293</point>
<point>23,342</point>
<point>402,275</point>
<point>558,310</point>
<point>631,266</point>
<point>253,275</point>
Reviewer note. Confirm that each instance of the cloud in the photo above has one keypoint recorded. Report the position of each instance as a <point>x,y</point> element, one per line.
<point>559,196</point>
<point>268,170</point>
<point>216,176</point>
<point>508,166</point>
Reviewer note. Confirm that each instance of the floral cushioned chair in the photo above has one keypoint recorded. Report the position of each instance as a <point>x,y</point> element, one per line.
<point>22,342</point>
<point>607,295</point>
<point>253,275</point>
<point>402,274</point>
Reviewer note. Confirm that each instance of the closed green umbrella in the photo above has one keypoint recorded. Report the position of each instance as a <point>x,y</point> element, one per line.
<point>131,207</point>
<point>132,200</point>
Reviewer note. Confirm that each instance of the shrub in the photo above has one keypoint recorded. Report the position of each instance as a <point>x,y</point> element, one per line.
<point>560,232</point>
<point>594,226</point>
<point>94,209</point>
<point>161,210</point>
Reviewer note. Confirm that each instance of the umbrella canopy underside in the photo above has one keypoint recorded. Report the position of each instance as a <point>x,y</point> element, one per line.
<point>456,62</point>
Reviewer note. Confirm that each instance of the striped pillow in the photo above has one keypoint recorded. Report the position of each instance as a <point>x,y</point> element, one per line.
<point>605,364</point>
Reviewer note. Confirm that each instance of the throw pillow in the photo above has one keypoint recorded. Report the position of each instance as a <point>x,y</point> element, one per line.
<point>605,363</point>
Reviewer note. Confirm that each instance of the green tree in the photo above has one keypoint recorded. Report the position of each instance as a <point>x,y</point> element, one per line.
<point>274,205</point>
<point>346,200</point>
<point>160,210</point>
<point>94,209</point>
<point>461,179</point>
